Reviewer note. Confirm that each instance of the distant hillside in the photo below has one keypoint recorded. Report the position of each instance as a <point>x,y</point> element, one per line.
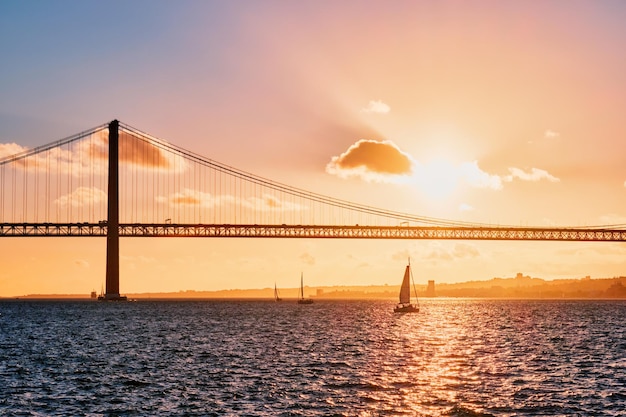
<point>527,287</point>
<point>518,287</point>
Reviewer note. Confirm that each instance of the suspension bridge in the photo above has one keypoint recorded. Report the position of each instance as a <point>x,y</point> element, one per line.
<point>116,181</point>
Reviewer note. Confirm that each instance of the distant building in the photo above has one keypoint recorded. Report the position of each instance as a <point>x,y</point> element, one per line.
<point>430,290</point>
<point>319,292</point>
<point>93,294</point>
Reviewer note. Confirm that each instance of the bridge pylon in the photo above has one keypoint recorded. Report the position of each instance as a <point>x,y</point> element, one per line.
<point>113,220</point>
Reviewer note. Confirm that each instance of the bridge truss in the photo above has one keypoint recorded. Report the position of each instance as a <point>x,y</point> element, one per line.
<point>313,231</point>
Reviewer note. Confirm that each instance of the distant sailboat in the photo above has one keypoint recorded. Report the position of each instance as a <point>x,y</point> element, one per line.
<point>276,295</point>
<point>405,306</point>
<point>303,300</point>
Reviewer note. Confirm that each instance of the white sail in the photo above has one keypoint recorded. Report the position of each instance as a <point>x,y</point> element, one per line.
<point>405,290</point>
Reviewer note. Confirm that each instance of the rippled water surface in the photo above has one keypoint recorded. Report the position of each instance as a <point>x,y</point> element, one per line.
<point>354,358</point>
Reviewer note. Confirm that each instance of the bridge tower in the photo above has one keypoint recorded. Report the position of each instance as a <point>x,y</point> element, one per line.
<point>113,220</point>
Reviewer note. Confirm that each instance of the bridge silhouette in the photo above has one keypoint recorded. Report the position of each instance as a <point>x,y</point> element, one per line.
<point>116,181</point>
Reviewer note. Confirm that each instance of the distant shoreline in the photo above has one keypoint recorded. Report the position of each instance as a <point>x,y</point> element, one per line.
<point>293,300</point>
<point>520,287</point>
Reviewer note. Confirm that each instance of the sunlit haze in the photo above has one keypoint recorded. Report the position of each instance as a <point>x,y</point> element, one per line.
<point>504,113</point>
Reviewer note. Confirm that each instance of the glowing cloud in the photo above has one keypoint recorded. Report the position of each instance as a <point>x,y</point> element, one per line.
<point>82,263</point>
<point>471,173</point>
<point>465,207</point>
<point>73,159</point>
<point>378,161</point>
<point>8,149</point>
<point>264,203</point>
<point>444,252</point>
<point>551,134</point>
<point>376,106</point>
<point>189,197</point>
<point>91,153</point>
<point>465,250</point>
<point>82,196</point>
<point>270,203</point>
<point>307,258</point>
<point>535,174</point>
<point>612,219</point>
<point>138,152</point>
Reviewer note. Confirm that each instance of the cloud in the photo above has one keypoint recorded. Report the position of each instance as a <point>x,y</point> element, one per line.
<point>139,152</point>
<point>612,219</point>
<point>195,198</point>
<point>82,196</point>
<point>535,174</point>
<point>450,253</point>
<point>8,149</point>
<point>465,207</point>
<point>465,250</point>
<point>439,254</point>
<point>551,134</point>
<point>81,263</point>
<point>142,258</point>
<point>189,197</point>
<point>471,174</point>
<point>270,203</point>
<point>135,151</point>
<point>402,255</point>
<point>307,258</point>
<point>376,106</point>
<point>371,160</point>
<point>90,155</point>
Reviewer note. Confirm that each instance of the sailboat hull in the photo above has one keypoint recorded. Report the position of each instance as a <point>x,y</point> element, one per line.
<point>403,308</point>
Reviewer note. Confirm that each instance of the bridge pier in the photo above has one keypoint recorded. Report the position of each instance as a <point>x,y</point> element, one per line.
<point>113,220</point>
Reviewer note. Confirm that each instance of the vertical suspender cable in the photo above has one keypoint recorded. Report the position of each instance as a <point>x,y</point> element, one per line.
<point>25,192</point>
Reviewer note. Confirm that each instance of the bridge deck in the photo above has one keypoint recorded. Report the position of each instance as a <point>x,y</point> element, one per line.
<point>312,231</point>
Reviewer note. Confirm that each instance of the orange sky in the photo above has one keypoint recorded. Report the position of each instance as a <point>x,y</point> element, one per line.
<point>492,112</point>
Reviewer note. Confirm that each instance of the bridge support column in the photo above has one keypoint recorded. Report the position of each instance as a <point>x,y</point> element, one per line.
<point>113,220</point>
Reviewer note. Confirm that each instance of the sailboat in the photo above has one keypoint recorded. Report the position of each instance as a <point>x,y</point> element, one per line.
<point>303,300</point>
<point>276,296</point>
<point>405,306</point>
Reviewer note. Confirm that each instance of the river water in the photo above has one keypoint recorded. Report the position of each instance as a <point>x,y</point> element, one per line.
<point>353,358</point>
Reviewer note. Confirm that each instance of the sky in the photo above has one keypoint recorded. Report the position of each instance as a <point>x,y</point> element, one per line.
<point>499,112</point>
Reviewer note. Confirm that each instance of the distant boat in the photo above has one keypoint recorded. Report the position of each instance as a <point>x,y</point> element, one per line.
<point>276,295</point>
<point>101,296</point>
<point>405,306</point>
<point>303,300</point>
<point>104,297</point>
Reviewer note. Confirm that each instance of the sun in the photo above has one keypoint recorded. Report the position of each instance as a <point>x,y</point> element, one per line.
<point>437,179</point>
